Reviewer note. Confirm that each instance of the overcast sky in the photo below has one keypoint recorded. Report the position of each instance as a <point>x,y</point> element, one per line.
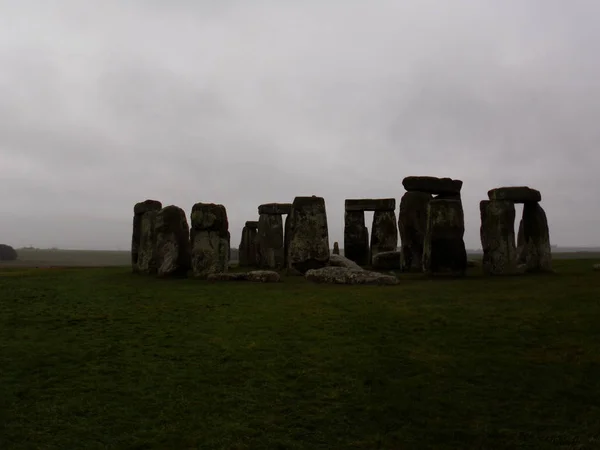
<point>107,103</point>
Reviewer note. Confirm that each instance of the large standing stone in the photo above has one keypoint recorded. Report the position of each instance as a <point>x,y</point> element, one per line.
<point>384,233</point>
<point>444,248</point>
<point>172,242</point>
<point>536,248</point>
<point>270,241</point>
<point>309,243</point>
<point>521,243</point>
<point>138,211</point>
<point>248,245</point>
<point>432,185</point>
<point>356,237</point>
<point>497,234</point>
<point>412,223</point>
<point>147,252</point>
<point>209,239</point>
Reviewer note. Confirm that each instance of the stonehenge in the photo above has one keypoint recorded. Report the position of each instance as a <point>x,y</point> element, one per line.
<point>138,212</point>
<point>209,239</point>
<point>248,252</point>
<point>271,247</point>
<point>412,224</point>
<point>532,252</point>
<point>384,230</point>
<point>172,242</point>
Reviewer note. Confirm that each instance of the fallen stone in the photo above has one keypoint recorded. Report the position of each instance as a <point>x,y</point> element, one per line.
<point>444,250</point>
<point>371,204</point>
<point>275,208</point>
<point>384,233</point>
<point>432,185</point>
<point>497,233</point>
<point>270,239</point>
<point>209,236</point>
<point>336,248</point>
<point>309,242</point>
<point>356,237</point>
<point>342,275</point>
<point>248,252</point>
<point>537,254</point>
<point>412,224</point>
<point>264,276</point>
<point>147,261</point>
<point>342,261</point>
<point>387,261</point>
<point>236,276</point>
<point>138,211</point>
<point>172,242</point>
<point>515,194</point>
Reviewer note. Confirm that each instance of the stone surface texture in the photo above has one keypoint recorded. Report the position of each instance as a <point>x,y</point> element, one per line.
<point>370,204</point>
<point>172,242</point>
<point>497,233</point>
<point>270,248</point>
<point>536,253</point>
<point>384,233</point>
<point>515,194</point>
<point>209,236</point>
<point>356,237</point>
<point>412,224</point>
<point>342,275</point>
<point>138,211</point>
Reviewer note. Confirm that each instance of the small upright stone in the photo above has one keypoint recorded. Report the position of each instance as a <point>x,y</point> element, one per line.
<point>497,234</point>
<point>270,241</point>
<point>172,242</point>
<point>432,185</point>
<point>356,237</point>
<point>384,233</point>
<point>138,211</point>
<point>336,248</point>
<point>515,194</point>
<point>412,224</point>
<point>444,249</point>
<point>537,252</point>
<point>209,236</point>
<point>309,243</point>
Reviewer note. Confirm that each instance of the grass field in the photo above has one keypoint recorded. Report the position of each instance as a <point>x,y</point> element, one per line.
<point>99,359</point>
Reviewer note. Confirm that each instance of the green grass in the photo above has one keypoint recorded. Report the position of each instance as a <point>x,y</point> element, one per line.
<point>99,358</point>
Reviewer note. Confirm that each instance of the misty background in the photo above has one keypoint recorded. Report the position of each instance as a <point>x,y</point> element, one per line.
<point>106,104</point>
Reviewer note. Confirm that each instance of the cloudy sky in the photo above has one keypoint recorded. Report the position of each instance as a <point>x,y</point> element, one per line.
<point>104,104</point>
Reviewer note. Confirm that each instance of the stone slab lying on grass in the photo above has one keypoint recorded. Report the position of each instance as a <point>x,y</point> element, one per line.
<point>342,275</point>
<point>342,261</point>
<point>240,276</point>
<point>264,276</point>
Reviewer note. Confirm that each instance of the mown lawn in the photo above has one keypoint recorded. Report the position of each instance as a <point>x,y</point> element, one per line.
<point>100,358</point>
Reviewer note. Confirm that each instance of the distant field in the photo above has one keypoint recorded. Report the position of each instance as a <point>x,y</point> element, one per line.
<point>98,258</point>
<point>103,359</point>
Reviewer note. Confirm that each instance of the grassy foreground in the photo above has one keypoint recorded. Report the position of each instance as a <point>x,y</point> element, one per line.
<point>99,358</point>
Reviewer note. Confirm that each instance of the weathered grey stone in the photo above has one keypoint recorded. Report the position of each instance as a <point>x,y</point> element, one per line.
<point>309,242</point>
<point>248,253</point>
<point>264,276</point>
<point>209,236</point>
<point>444,248</point>
<point>412,224</point>
<point>235,276</point>
<point>172,242</point>
<point>371,204</point>
<point>336,248</point>
<point>252,224</point>
<point>275,208</point>
<point>342,275</point>
<point>432,185</point>
<point>497,234</point>
<point>271,250</point>
<point>515,194</point>
<point>387,261</point>
<point>341,261</point>
<point>147,262</point>
<point>521,243</point>
<point>384,233</point>
<point>138,211</point>
<point>356,237</point>
<point>537,253</point>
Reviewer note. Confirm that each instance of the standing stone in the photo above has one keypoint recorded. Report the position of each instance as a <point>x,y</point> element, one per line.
<point>287,236</point>
<point>270,241</point>
<point>444,248</point>
<point>209,239</point>
<point>172,242</point>
<point>336,248</point>
<point>309,243</point>
<point>536,247</point>
<point>521,244</point>
<point>138,211</point>
<point>147,253</point>
<point>247,250</point>
<point>356,238</point>
<point>412,224</point>
<point>384,233</point>
<point>497,234</point>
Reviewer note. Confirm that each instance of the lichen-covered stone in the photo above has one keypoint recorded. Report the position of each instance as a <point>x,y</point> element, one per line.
<point>537,254</point>
<point>263,276</point>
<point>412,224</point>
<point>356,237</point>
<point>248,253</point>
<point>138,211</point>
<point>309,242</point>
<point>147,262</point>
<point>497,234</point>
<point>370,204</point>
<point>444,248</point>
<point>336,248</point>
<point>342,275</point>
<point>341,261</point>
<point>209,236</point>
<point>384,233</point>
<point>515,194</point>
<point>271,251</point>
<point>275,208</point>
<point>386,261</point>
<point>432,185</point>
<point>172,242</point>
